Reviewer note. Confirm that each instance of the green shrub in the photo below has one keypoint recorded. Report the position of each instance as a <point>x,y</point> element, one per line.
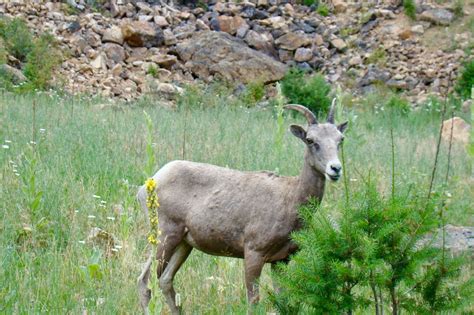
<point>323,9</point>
<point>43,58</point>
<point>3,52</point>
<point>253,93</point>
<point>409,8</point>
<point>17,37</point>
<point>311,2</point>
<point>153,71</point>
<point>311,92</point>
<point>378,56</point>
<point>458,8</point>
<point>399,104</point>
<point>466,80</point>
<point>372,255</point>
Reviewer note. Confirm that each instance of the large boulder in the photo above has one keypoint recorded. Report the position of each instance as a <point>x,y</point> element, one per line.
<point>219,54</point>
<point>14,74</point>
<point>142,34</point>
<point>460,130</point>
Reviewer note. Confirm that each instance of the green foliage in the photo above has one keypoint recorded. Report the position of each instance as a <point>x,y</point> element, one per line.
<point>253,93</point>
<point>40,56</point>
<point>374,245</point>
<point>323,9</point>
<point>153,71</point>
<point>458,8</point>
<point>3,52</point>
<point>399,104</point>
<point>43,58</point>
<point>310,91</point>
<point>465,82</point>
<point>311,2</point>
<point>410,8</point>
<point>17,37</point>
<point>378,56</point>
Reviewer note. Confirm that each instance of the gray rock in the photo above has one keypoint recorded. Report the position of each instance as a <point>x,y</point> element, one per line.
<point>219,54</point>
<point>303,54</point>
<point>114,52</point>
<point>374,75</point>
<point>438,16</point>
<point>16,75</point>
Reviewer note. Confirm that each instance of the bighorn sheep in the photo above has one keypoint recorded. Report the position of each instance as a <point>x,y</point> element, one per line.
<point>227,212</point>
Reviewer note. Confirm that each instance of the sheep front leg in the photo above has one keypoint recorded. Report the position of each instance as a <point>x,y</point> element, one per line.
<point>253,262</point>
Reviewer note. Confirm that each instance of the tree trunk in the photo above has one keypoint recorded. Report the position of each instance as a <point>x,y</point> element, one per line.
<point>394,301</point>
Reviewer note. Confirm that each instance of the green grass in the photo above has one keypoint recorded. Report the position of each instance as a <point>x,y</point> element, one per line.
<point>86,150</point>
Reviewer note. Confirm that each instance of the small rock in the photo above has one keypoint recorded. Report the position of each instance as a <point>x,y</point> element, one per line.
<point>460,130</point>
<point>437,16</point>
<point>117,69</point>
<point>318,40</point>
<point>339,6</point>
<point>292,41</point>
<point>113,35</point>
<point>165,61</point>
<point>160,21</point>
<point>339,44</point>
<point>355,61</point>
<point>100,62</point>
<point>303,54</point>
<point>114,52</point>
<point>418,29</point>
<point>229,24</point>
<point>142,34</point>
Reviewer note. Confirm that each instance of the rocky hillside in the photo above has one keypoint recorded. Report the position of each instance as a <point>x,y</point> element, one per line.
<point>132,48</point>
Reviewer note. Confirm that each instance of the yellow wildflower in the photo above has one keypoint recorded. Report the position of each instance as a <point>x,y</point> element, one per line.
<point>153,205</point>
<point>150,185</point>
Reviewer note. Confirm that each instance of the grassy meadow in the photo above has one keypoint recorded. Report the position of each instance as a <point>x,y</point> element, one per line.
<point>87,160</point>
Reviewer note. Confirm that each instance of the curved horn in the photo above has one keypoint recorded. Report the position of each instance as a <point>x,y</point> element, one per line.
<point>331,111</point>
<point>306,112</point>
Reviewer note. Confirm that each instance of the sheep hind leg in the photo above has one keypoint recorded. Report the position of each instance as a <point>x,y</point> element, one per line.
<point>166,279</point>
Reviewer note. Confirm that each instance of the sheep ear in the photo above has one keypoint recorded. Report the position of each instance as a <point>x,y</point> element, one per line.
<point>342,127</point>
<point>298,131</point>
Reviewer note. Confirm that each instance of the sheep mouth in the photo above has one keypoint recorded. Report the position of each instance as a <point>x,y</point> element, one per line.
<point>334,178</point>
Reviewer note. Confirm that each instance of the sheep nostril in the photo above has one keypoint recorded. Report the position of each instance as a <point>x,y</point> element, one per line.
<point>336,168</point>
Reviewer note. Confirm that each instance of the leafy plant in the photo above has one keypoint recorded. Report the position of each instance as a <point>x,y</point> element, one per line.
<point>409,8</point>
<point>466,80</point>
<point>43,58</point>
<point>378,56</point>
<point>399,104</point>
<point>153,71</point>
<point>17,37</point>
<point>323,9</point>
<point>253,93</point>
<point>310,91</point>
<point>458,8</point>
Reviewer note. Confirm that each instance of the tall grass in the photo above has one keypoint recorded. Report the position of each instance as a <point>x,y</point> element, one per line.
<point>89,160</point>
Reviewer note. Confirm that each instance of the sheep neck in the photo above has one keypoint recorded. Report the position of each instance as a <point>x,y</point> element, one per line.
<point>310,183</point>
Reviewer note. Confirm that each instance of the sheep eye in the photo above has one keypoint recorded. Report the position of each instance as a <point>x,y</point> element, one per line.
<point>309,141</point>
